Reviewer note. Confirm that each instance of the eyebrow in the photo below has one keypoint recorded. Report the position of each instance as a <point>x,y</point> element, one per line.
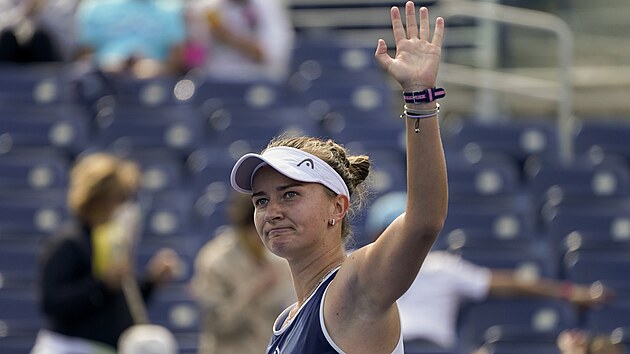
<point>280,188</point>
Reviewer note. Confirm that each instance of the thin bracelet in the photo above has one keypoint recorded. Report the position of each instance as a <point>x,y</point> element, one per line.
<point>418,114</point>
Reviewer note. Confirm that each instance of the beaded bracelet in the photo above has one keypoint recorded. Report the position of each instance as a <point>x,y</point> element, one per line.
<point>424,96</point>
<point>418,114</point>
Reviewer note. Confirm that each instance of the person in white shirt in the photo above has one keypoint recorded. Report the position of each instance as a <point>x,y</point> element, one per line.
<point>240,40</point>
<point>429,309</point>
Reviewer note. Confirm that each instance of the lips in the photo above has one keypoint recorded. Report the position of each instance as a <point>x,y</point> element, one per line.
<point>278,231</point>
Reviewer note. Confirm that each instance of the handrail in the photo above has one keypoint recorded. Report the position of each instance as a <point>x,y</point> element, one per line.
<point>537,20</point>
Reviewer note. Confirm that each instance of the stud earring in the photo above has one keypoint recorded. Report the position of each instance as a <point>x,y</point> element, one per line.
<point>332,222</point>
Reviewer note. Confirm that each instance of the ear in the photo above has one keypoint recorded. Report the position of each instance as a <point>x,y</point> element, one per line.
<point>341,206</point>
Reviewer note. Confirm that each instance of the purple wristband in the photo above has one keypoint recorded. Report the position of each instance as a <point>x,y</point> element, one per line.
<point>424,96</point>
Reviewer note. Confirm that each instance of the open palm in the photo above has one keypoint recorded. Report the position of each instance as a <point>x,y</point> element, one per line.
<point>415,64</point>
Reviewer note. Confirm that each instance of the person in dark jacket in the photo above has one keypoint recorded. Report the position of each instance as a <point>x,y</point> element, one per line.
<point>84,266</point>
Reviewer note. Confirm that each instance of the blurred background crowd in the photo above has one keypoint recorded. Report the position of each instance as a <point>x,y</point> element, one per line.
<point>161,96</point>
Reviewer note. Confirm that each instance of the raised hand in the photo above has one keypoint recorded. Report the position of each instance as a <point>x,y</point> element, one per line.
<point>415,65</point>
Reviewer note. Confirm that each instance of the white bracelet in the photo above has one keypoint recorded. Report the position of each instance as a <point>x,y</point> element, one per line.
<point>418,114</point>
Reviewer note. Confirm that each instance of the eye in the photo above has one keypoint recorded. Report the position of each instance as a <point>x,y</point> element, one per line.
<point>260,202</point>
<point>290,194</point>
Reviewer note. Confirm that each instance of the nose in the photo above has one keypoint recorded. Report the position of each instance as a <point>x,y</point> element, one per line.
<point>273,211</point>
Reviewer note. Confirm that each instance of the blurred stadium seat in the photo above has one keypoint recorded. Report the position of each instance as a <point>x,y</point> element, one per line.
<point>584,179</point>
<point>606,319</point>
<point>586,266</point>
<point>63,129</point>
<point>505,217</point>
<point>609,217</point>
<point>33,169</point>
<point>519,139</point>
<point>603,136</point>
<point>170,129</point>
<point>33,212</point>
<point>539,315</point>
<point>17,336</point>
<point>482,174</point>
<point>174,308</point>
<point>39,85</point>
<point>520,339</point>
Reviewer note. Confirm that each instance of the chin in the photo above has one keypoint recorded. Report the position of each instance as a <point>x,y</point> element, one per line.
<point>278,247</point>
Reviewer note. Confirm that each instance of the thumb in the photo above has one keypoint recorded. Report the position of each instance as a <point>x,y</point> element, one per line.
<point>381,54</point>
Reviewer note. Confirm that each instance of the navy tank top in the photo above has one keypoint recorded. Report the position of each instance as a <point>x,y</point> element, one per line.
<point>305,333</point>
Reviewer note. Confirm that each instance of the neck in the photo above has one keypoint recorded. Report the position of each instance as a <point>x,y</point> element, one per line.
<point>307,276</point>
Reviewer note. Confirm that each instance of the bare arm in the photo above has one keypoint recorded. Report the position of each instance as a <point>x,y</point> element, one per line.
<point>505,283</point>
<point>386,269</point>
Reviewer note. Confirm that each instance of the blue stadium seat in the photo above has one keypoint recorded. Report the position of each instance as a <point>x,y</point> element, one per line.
<point>252,95</point>
<point>18,264</point>
<point>213,164</point>
<point>519,139</point>
<point>586,266</point>
<point>332,54</point>
<point>33,169</point>
<point>18,337</point>
<point>364,137</point>
<point>33,212</point>
<point>174,128</point>
<point>364,96</point>
<point>39,84</point>
<point>463,238</point>
<point>594,241</point>
<point>520,333</point>
<point>523,348</point>
<point>602,216</point>
<point>388,171</point>
<point>230,123</point>
<point>584,179</point>
<point>335,115</point>
<point>175,309</point>
<point>131,91</point>
<point>596,136</point>
<point>20,305</point>
<point>161,172</point>
<point>534,314</point>
<point>167,221</point>
<point>609,317</point>
<point>505,217</point>
<point>64,129</point>
<point>484,174</point>
<point>528,263</point>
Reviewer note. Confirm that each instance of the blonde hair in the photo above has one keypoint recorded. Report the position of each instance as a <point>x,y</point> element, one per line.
<point>354,170</point>
<point>99,176</point>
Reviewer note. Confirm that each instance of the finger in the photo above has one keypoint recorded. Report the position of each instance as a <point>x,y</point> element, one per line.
<point>397,26</point>
<point>438,34</point>
<point>424,24</point>
<point>410,19</point>
<point>381,55</point>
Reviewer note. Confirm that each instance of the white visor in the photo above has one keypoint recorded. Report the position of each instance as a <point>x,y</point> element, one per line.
<point>291,162</point>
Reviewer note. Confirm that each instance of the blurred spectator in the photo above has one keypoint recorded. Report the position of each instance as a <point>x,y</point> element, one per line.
<point>579,342</point>
<point>36,30</point>
<point>241,40</point>
<point>240,286</point>
<point>143,38</point>
<point>84,265</point>
<point>430,307</point>
<point>147,339</point>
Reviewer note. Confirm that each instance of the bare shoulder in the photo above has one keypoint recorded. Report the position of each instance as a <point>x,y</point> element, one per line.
<point>349,317</point>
